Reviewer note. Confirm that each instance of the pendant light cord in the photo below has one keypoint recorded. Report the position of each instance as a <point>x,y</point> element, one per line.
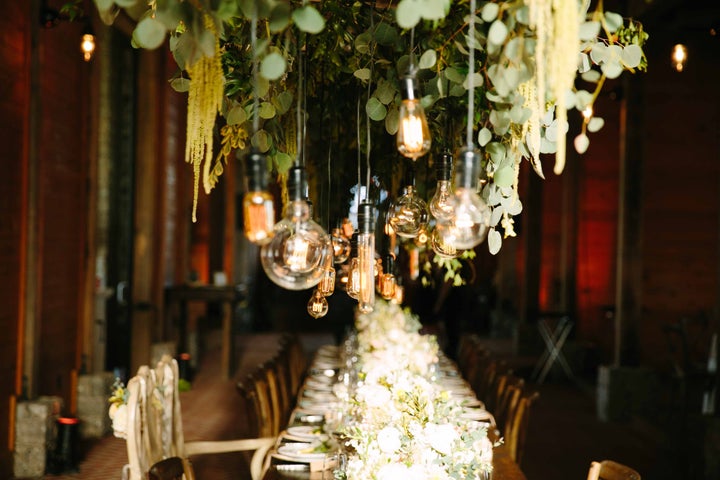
<point>471,75</point>
<point>298,113</point>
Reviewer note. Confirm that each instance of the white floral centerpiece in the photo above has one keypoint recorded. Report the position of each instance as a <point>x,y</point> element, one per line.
<point>405,425</point>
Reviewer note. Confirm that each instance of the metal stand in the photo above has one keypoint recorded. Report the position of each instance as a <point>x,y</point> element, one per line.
<point>554,339</point>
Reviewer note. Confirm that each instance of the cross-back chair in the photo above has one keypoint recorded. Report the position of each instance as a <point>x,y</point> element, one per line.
<point>154,427</point>
<point>516,424</point>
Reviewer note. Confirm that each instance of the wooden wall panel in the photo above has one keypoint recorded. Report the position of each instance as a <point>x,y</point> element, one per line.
<point>14,107</point>
<point>681,193</point>
<point>62,208</point>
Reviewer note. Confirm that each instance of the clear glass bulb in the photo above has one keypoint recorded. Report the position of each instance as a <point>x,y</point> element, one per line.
<point>413,135</point>
<point>317,306</point>
<point>469,226</point>
<point>408,214</point>
<point>353,279</point>
<point>327,282</point>
<point>298,249</point>
<point>259,216</point>
<point>366,272</point>
<point>341,246</point>
<point>387,286</point>
<point>440,206</point>
<point>399,294</point>
<point>440,248</point>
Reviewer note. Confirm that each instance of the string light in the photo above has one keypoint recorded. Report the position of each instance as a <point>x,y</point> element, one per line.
<point>679,57</point>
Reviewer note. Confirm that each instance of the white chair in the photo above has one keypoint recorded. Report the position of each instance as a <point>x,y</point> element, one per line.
<point>154,429</point>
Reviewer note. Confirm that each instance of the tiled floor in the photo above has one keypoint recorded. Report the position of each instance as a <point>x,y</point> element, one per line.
<point>564,433</point>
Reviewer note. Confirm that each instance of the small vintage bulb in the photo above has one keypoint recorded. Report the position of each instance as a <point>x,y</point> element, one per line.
<point>387,279</point>
<point>440,247</point>
<point>327,282</point>
<point>258,206</point>
<point>440,205</point>
<point>317,306</point>
<point>353,279</point>
<point>366,258</point>
<point>399,294</point>
<point>408,214</point>
<point>413,135</point>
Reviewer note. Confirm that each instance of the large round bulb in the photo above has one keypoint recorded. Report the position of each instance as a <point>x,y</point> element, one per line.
<point>408,214</point>
<point>293,259</point>
<point>469,226</point>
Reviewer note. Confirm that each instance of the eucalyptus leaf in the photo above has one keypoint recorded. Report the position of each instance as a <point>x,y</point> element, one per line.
<point>432,9</point>
<point>283,162</point>
<point>149,33</point>
<point>477,81</point>
<point>494,240</point>
<point>280,17</point>
<point>385,91</point>
<point>490,12</point>
<point>267,110</point>
<point>227,9</point>
<point>457,91</point>
<point>500,120</point>
<point>613,21</point>
<point>362,42</point>
<point>484,136</point>
<point>206,42</point>
<point>385,34</point>
<point>236,115</point>
<point>263,86</point>
<point>272,66</point>
<point>582,142</point>
<point>583,98</point>
<point>589,30</point>
<point>283,102</point>
<point>392,120</point>
<point>583,62</point>
<point>515,207</point>
<point>504,177</point>
<point>407,14</point>
<point>522,15</point>
<point>591,76</point>
<point>428,59</point>
<point>362,74</point>
<point>308,19</point>
<point>180,84</point>
<point>495,216</point>
<point>262,141</point>
<point>595,124</point>
<point>454,75</point>
<point>127,3</point>
<point>497,152</point>
<point>612,69</point>
<point>598,53</point>
<point>375,110</point>
<point>498,33</point>
<point>631,56</point>
<point>519,114</point>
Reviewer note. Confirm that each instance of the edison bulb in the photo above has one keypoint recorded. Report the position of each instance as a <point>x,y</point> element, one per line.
<point>413,135</point>
<point>353,279</point>
<point>317,306</point>
<point>439,205</point>
<point>442,249</point>
<point>341,246</point>
<point>471,216</point>
<point>408,214</point>
<point>294,257</point>
<point>366,259</point>
<point>258,206</point>
<point>327,282</point>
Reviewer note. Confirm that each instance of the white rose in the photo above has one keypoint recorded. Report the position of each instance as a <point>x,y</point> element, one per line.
<point>119,421</point>
<point>392,471</point>
<point>442,437</point>
<point>389,440</point>
<point>375,395</point>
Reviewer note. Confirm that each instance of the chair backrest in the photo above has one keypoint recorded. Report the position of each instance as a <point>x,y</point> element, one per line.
<point>516,424</point>
<point>610,470</point>
<point>154,425</point>
<point>507,398</point>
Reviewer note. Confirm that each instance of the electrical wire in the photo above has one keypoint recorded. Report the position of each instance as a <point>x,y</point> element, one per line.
<point>471,75</point>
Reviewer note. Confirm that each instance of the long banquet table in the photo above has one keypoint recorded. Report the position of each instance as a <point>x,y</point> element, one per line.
<point>280,468</point>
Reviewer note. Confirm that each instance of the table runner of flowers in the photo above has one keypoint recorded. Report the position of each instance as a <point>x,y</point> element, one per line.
<point>403,424</point>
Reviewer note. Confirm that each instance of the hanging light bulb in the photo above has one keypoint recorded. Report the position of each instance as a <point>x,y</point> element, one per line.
<point>317,306</point>
<point>440,206</point>
<point>408,214</point>
<point>258,207</point>
<point>353,278</point>
<point>442,249</point>
<point>366,258</point>
<point>413,135</point>
<point>422,237</point>
<point>387,279</point>
<point>299,247</point>
<point>327,282</point>
<point>469,225</point>
<point>679,57</point>
<point>399,293</point>
<point>341,245</point>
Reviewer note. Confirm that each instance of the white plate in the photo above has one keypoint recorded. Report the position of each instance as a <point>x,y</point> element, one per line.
<point>317,395</point>
<point>298,452</point>
<point>307,433</point>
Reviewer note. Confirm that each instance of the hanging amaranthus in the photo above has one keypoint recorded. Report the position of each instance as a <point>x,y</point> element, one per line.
<point>556,23</point>
<point>204,101</point>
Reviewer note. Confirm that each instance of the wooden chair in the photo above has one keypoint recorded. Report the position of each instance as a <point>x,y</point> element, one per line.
<point>516,424</point>
<point>510,391</point>
<point>610,470</point>
<point>154,427</point>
